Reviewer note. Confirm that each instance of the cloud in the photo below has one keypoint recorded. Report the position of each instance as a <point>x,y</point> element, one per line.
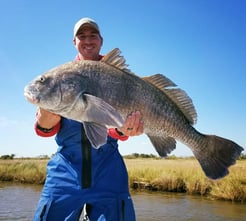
<point>5,122</point>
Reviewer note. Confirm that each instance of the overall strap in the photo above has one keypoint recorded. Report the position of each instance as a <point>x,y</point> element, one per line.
<point>86,160</point>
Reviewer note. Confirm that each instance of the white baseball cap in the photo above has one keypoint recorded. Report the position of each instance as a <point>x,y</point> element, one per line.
<point>85,21</point>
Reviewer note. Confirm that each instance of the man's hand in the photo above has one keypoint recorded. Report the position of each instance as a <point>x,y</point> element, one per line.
<point>133,125</point>
<point>46,119</point>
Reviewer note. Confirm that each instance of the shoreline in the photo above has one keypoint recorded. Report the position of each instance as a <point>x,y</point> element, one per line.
<point>149,174</point>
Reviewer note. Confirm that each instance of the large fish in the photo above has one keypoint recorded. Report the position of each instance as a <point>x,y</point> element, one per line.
<point>102,93</point>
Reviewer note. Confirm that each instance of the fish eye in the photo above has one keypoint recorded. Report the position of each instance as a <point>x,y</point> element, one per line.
<point>42,78</point>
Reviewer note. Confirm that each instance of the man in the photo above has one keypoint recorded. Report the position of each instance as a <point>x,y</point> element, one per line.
<point>79,174</point>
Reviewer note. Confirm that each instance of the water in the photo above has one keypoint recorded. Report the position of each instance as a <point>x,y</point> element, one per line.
<point>181,207</point>
<point>18,202</point>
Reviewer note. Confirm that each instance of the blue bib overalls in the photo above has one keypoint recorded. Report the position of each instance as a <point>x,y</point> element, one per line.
<point>64,195</point>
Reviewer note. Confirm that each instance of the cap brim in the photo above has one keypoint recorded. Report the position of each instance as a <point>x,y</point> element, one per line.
<point>85,22</point>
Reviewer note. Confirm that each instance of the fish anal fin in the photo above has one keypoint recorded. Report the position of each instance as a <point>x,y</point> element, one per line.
<point>163,145</point>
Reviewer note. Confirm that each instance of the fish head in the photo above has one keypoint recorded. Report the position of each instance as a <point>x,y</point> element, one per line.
<point>43,91</point>
<point>55,90</point>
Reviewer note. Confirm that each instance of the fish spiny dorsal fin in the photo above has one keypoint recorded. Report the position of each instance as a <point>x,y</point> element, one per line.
<point>178,96</point>
<point>114,58</point>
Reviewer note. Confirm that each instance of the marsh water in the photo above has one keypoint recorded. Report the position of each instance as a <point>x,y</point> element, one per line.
<point>18,202</point>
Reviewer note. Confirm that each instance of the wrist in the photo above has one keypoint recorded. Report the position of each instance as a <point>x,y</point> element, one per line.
<point>46,120</point>
<point>45,130</point>
<point>112,132</point>
<point>119,132</point>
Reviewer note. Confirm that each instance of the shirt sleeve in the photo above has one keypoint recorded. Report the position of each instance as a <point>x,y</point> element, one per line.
<point>42,132</point>
<point>112,132</point>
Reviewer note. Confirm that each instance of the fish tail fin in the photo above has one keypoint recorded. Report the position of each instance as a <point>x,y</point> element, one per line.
<point>217,155</point>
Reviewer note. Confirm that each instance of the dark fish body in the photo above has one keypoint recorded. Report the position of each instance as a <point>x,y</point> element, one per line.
<point>102,93</point>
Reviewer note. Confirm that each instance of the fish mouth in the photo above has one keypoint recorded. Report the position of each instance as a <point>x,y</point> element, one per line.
<point>30,98</point>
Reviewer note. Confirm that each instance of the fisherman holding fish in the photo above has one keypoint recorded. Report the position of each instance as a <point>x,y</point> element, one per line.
<point>85,181</point>
<point>95,96</point>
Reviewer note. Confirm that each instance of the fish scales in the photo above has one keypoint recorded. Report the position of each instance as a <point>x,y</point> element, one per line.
<point>102,93</point>
<point>115,84</point>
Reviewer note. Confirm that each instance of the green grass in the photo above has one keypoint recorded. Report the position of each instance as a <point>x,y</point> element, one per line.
<point>154,174</point>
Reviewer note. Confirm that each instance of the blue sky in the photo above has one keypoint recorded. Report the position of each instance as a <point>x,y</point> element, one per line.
<point>199,44</point>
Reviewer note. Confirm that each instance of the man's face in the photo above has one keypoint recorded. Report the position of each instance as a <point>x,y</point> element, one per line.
<point>88,42</point>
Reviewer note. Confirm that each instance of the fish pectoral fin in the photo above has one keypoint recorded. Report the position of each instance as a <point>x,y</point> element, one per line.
<point>96,133</point>
<point>163,145</point>
<point>101,113</point>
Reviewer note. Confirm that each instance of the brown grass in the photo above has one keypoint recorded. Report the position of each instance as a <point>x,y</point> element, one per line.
<point>171,175</point>
<point>24,171</point>
<point>186,175</point>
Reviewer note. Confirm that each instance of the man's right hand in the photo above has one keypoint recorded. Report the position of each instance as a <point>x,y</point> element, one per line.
<point>47,119</point>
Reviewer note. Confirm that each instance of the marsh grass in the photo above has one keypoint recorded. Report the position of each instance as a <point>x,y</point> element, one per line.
<point>169,175</point>
<point>233,186</point>
<point>186,175</point>
<point>24,171</point>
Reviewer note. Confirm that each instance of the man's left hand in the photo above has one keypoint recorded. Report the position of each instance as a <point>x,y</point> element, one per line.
<point>133,125</point>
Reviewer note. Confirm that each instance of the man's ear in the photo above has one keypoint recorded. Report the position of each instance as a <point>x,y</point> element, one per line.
<point>74,41</point>
<point>101,41</point>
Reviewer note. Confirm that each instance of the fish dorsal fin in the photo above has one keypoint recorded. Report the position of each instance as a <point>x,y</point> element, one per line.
<point>114,58</point>
<point>177,95</point>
